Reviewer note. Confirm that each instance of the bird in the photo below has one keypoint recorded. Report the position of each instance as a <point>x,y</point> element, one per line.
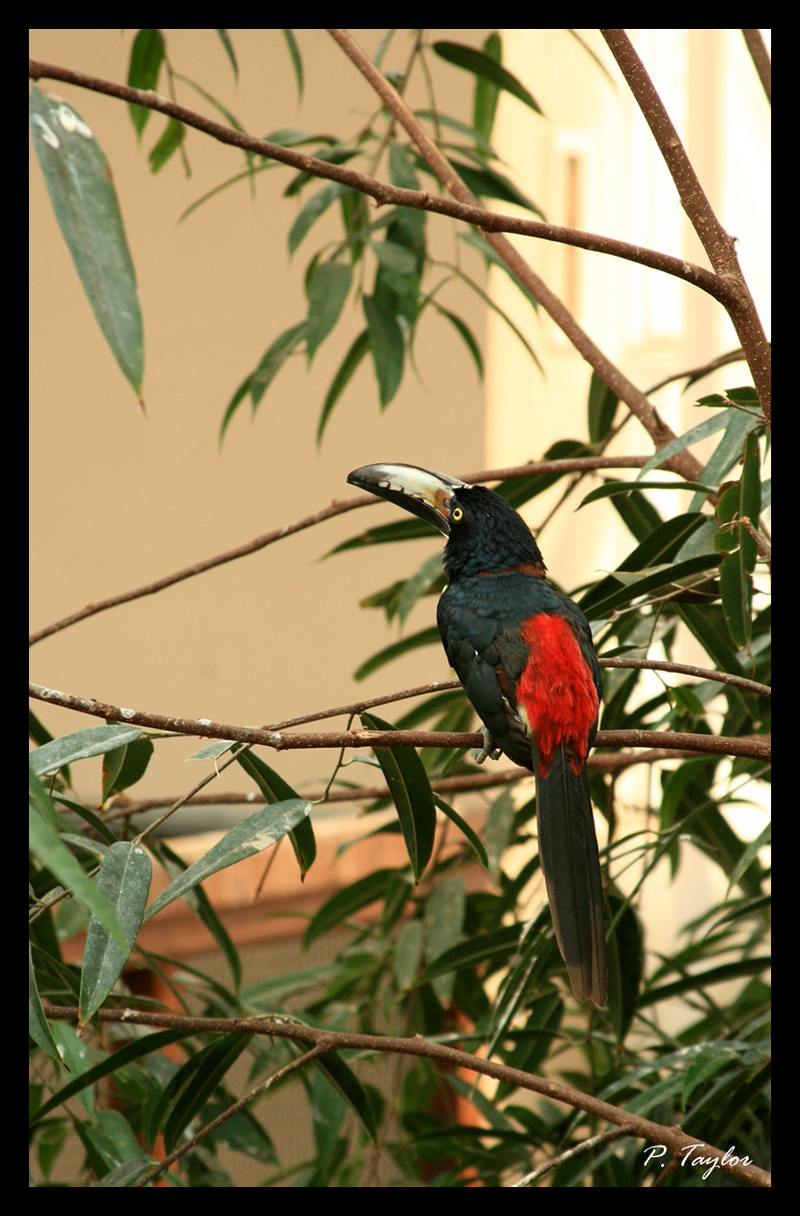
<point>524,656</point>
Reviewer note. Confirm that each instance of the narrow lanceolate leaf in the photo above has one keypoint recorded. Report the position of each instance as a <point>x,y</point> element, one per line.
<point>342,378</point>
<point>273,360</point>
<point>147,55</point>
<point>386,341</point>
<point>736,592</point>
<point>297,62</point>
<point>275,789</point>
<point>257,832</point>
<point>425,637</point>
<point>486,91</point>
<point>486,67</point>
<point>79,182</point>
<point>329,286</point>
<point>466,334</point>
<point>225,39</point>
<point>347,902</point>
<point>124,879</point>
<point>341,1076</point>
<point>46,845</point>
<point>169,142</point>
<point>411,793</point>
<point>95,741</point>
<point>312,210</point>
<point>38,1028</point>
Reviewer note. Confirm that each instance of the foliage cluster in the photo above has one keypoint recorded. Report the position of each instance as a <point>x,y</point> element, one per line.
<point>444,958</point>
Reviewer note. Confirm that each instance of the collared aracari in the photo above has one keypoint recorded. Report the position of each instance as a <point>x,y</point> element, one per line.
<point>524,655</point>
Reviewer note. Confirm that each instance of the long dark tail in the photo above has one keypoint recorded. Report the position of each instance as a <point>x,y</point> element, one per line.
<point>571,867</point>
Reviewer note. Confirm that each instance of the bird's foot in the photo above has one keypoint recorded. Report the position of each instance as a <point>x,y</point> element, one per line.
<point>488,751</point>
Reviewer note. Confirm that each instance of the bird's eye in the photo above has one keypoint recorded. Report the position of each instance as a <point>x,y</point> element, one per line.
<point>456,514</point>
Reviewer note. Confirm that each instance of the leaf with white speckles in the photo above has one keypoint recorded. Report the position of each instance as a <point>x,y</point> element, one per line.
<point>81,189</point>
<point>253,834</point>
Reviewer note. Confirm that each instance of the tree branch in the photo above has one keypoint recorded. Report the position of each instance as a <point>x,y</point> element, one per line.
<point>753,748</point>
<point>683,463</point>
<point>385,194</point>
<point>718,244</point>
<point>274,1026</point>
<point>308,521</point>
<point>760,56</point>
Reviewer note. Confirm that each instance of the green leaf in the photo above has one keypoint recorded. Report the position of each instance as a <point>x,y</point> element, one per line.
<point>123,1055</point>
<point>489,183</point>
<point>273,360</point>
<point>492,258</point>
<point>342,378</point>
<point>444,920</point>
<point>736,591</point>
<point>487,92</point>
<point>481,144</point>
<point>385,534</point>
<point>234,403</point>
<point>495,948</point>
<point>297,62</point>
<point>613,489</point>
<point>663,577</point>
<point>411,793</point>
<point>258,831</point>
<point>200,905</point>
<point>95,741</point>
<point>193,1085</point>
<point>466,334</point>
<point>169,142</point>
<point>465,830</point>
<point>426,637</point>
<point>386,344</point>
<point>312,210</point>
<point>38,1027</point>
<point>46,845</point>
<point>603,403</point>
<point>275,789</point>
<point>225,39</point>
<point>429,574</point>
<point>124,879</point>
<point>330,284</point>
<point>487,68</point>
<point>130,765</point>
<point>345,903</point>
<point>345,1082</point>
<point>147,55</point>
<point>79,183</point>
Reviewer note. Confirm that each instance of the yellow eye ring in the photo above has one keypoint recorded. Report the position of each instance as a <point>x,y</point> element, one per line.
<point>456,514</point>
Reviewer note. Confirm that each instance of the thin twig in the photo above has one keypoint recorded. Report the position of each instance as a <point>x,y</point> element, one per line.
<point>309,521</point>
<point>318,1049</point>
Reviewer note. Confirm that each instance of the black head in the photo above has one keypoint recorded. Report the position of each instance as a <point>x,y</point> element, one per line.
<point>484,534</point>
<point>487,536</point>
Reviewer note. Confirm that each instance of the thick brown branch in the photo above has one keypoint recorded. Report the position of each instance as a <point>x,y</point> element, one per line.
<point>760,55</point>
<point>684,463</point>
<point>718,244</point>
<point>677,1141</point>
<point>281,741</point>
<point>384,194</point>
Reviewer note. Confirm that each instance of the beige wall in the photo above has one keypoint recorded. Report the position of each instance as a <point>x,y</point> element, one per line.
<point>118,500</point>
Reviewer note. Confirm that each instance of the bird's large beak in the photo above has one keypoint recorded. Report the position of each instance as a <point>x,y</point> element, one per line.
<point>420,491</point>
